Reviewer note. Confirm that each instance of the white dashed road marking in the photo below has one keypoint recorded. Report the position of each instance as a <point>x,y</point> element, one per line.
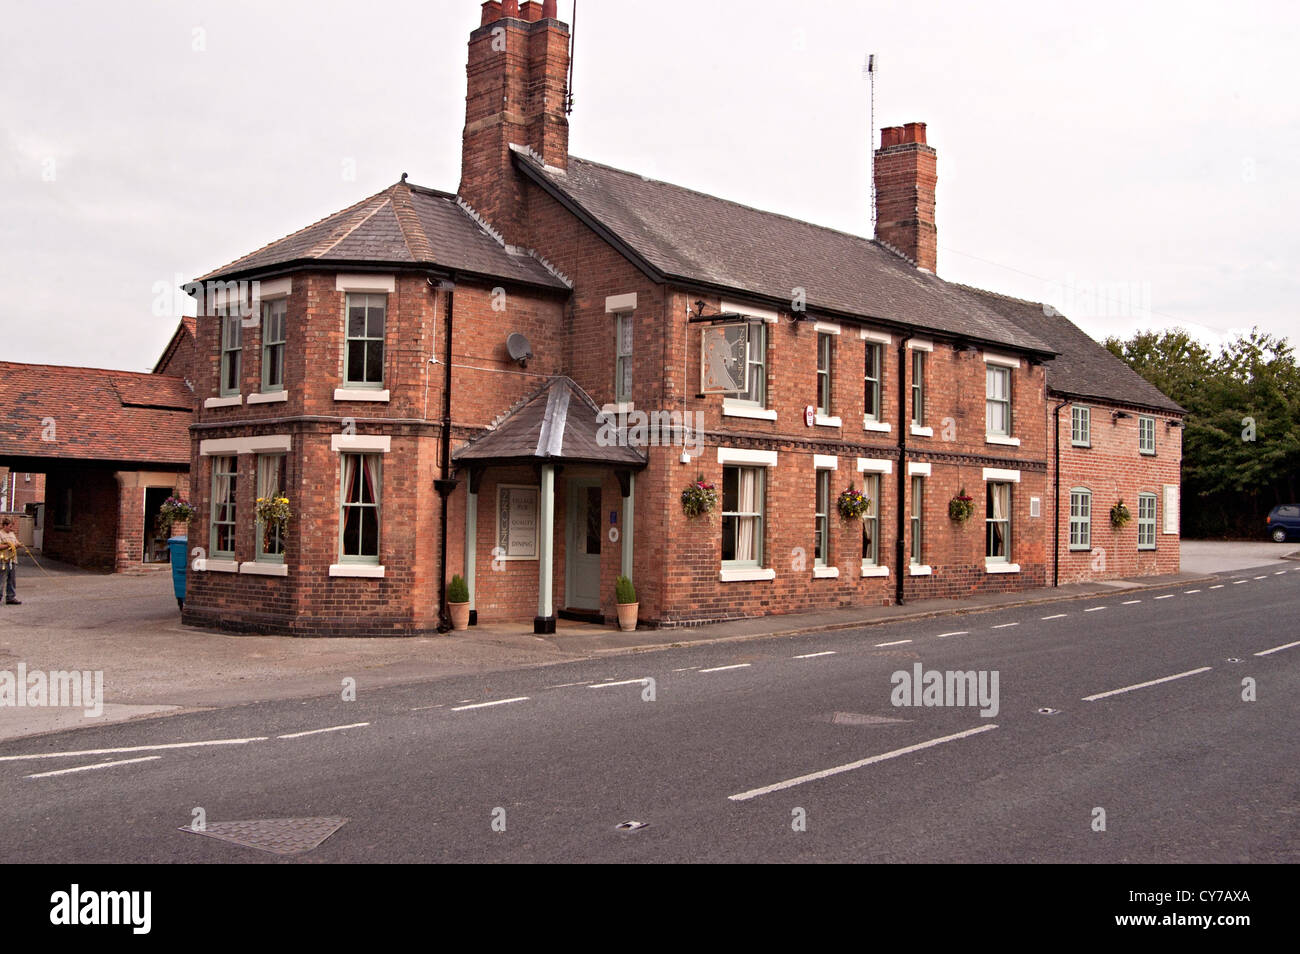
<point>897,642</point>
<point>827,773</point>
<point>625,682</point>
<point>1235,582</point>
<point>1217,586</point>
<point>1190,592</point>
<point>97,765</point>
<point>133,748</point>
<point>725,668</point>
<point>1005,625</point>
<point>1130,602</point>
<point>960,632</point>
<point>333,728</point>
<point>1260,577</point>
<point>1143,685</point>
<point>484,705</point>
<point>1094,609</point>
<point>1278,649</point>
<point>1057,616</point>
<point>1167,596</point>
<point>829,652</point>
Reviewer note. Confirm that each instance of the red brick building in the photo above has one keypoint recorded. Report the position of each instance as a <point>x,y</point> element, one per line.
<point>518,381</point>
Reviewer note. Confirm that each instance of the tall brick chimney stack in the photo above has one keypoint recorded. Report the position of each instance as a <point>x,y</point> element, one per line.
<point>517,77</point>
<point>905,181</point>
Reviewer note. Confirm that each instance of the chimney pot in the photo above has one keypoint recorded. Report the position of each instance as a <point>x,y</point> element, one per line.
<point>531,12</point>
<point>914,132</point>
<point>491,12</point>
<point>510,8</point>
<point>891,136</point>
<point>548,10</point>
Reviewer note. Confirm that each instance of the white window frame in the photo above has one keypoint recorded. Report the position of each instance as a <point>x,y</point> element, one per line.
<point>825,373</point>
<point>364,560</point>
<point>994,373</point>
<point>1081,519</point>
<point>1146,525</point>
<point>232,462</point>
<point>270,318</point>
<point>918,388</point>
<point>262,461</point>
<point>871,484</point>
<point>758,516</point>
<point>873,385</point>
<point>1146,426</point>
<point>360,384</point>
<point>232,353</point>
<point>990,488</point>
<point>623,336</point>
<point>1080,424</point>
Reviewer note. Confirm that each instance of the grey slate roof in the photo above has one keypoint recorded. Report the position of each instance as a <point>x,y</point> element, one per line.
<point>1084,368</point>
<point>697,238</point>
<point>557,422</point>
<point>404,225</point>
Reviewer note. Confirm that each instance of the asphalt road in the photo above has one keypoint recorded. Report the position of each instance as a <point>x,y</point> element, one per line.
<point>742,745</point>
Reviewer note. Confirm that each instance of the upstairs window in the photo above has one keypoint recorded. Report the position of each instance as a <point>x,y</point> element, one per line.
<point>918,388</point>
<point>232,350</point>
<point>997,401</point>
<point>756,392</point>
<point>623,357</point>
<point>1081,426</point>
<point>825,356</point>
<point>733,362</point>
<point>364,356</point>
<point>1146,435</point>
<point>871,379</point>
<point>274,318</point>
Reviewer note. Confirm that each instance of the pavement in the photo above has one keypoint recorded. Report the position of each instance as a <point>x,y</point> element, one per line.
<point>1225,556</point>
<point>128,628</point>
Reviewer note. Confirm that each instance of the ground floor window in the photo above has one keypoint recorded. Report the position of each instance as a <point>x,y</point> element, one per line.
<point>871,520</point>
<point>1080,519</point>
<point>271,483</point>
<point>742,516</point>
<point>359,512</point>
<point>997,520</point>
<point>918,521</point>
<point>821,535</point>
<point>225,475</point>
<point>1146,521</point>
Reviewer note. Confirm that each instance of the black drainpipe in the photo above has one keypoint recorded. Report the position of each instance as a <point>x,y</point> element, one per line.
<point>445,484</point>
<point>1056,497</point>
<point>900,550</point>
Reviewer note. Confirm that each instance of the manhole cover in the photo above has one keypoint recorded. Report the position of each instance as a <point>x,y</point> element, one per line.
<point>861,718</point>
<point>631,825</point>
<point>1046,711</point>
<point>280,836</point>
<point>1233,659</point>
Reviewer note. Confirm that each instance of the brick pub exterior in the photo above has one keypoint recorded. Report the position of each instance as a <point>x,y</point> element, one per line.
<point>362,368</point>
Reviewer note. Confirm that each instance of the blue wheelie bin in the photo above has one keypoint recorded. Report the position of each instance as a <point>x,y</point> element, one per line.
<point>178,547</point>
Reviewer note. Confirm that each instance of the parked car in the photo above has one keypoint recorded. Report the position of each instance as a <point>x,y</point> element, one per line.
<point>1284,523</point>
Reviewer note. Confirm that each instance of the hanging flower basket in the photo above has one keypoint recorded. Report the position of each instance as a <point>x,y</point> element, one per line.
<point>174,510</point>
<point>961,507</point>
<point>853,504</point>
<point>274,512</point>
<point>1119,515</point>
<point>699,498</point>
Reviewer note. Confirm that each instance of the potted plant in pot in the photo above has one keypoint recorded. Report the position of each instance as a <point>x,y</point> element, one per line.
<point>458,603</point>
<point>625,593</point>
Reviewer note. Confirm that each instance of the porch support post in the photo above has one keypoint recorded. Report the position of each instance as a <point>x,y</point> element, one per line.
<point>629,508</point>
<point>471,545</point>
<point>545,621</point>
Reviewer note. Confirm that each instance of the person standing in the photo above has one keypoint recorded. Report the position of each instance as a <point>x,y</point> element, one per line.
<point>9,560</point>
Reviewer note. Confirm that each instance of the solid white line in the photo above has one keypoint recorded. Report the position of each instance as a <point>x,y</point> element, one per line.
<point>826,773</point>
<point>1277,649</point>
<point>686,669</point>
<point>1130,602</point>
<point>484,705</point>
<point>1057,616</point>
<point>333,728</point>
<point>1217,586</point>
<point>625,682</point>
<point>97,765</point>
<point>1094,609</point>
<point>1005,625</point>
<point>829,652</point>
<point>132,748</point>
<point>1190,592</point>
<point>960,632</point>
<point>725,668</point>
<point>897,642</point>
<point>1143,685</point>
<point>425,708</point>
<point>1167,596</point>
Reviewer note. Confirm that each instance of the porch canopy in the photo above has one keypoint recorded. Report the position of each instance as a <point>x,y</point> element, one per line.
<point>555,425</point>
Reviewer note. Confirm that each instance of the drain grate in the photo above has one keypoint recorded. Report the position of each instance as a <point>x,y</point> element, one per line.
<point>280,836</point>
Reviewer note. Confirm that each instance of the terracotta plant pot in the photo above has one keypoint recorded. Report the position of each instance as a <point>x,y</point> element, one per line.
<point>627,616</point>
<point>459,616</point>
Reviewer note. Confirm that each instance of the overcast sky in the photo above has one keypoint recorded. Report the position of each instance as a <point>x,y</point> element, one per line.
<point>1135,164</point>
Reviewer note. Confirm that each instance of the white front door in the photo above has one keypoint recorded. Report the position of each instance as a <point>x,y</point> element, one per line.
<point>582,545</point>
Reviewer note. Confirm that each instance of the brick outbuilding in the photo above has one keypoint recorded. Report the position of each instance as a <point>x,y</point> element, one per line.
<point>517,382</point>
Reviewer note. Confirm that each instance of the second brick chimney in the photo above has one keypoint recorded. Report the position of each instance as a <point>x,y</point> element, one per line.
<point>517,82</point>
<point>905,181</point>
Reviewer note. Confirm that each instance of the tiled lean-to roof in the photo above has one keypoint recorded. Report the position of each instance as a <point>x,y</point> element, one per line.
<point>676,233</point>
<point>403,226</point>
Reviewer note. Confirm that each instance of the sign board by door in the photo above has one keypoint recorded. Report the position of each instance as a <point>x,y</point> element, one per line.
<point>517,509</point>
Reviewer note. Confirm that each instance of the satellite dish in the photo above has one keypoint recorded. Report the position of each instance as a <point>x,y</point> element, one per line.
<point>519,348</point>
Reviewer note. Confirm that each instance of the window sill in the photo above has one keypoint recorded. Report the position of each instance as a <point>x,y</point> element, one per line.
<point>361,394</point>
<point>1081,446</point>
<point>875,571</point>
<point>358,570</point>
<point>1147,549</point>
<point>919,569</point>
<point>1147,453</point>
<point>747,574</point>
<point>269,397</point>
<point>869,425</point>
<point>216,566</point>
<point>753,412</point>
<point>918,431</point>
<point>1087,549</point>
<point>264,569</point>
<point>826,572</point>
<point>1001,567</point>
<point>235,400</point>
<point>822,420</point>
<point>1001,439</point>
